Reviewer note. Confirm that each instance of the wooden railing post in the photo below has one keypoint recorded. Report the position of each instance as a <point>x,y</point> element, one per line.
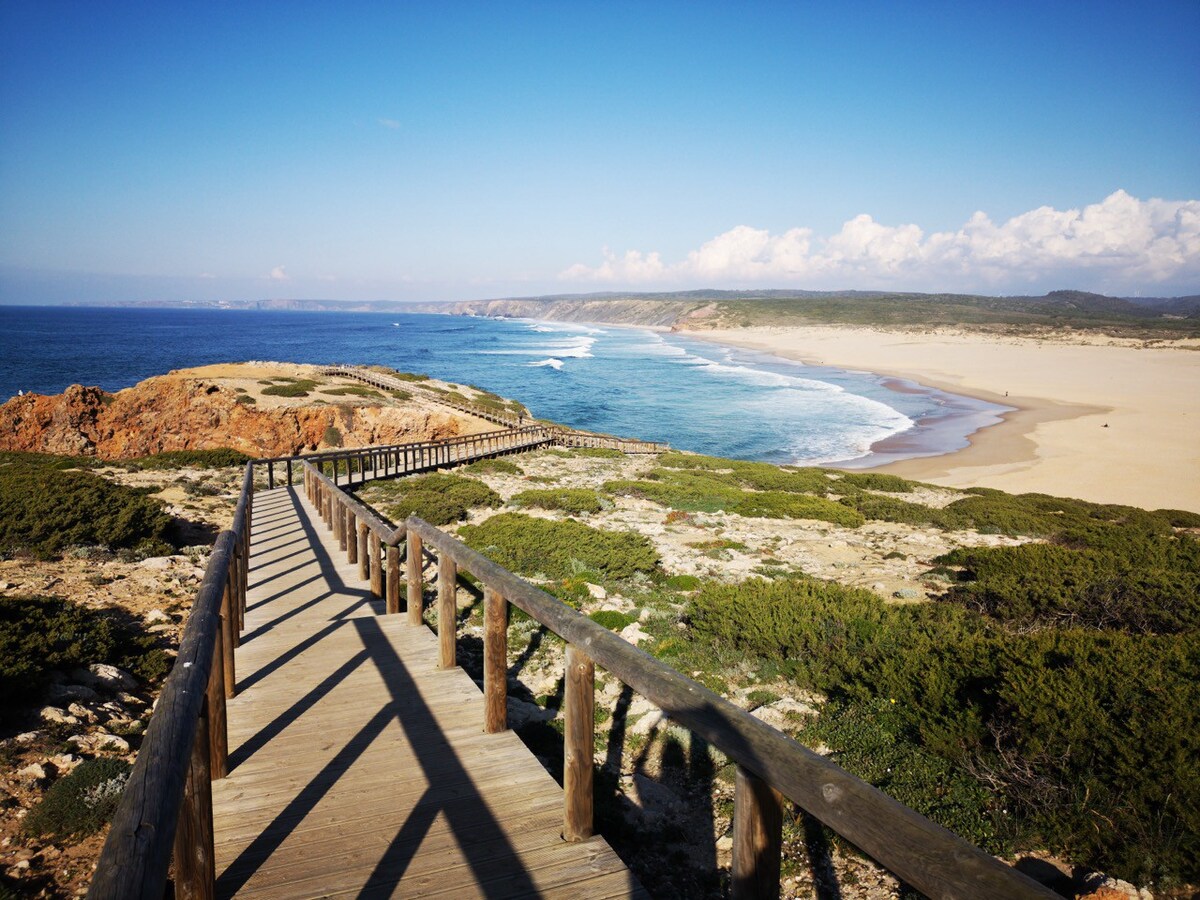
<point>447,610</point>
<point>231,591</point>
<point>757,837</point>
<point>393,579</point>
<point>243,575</point>
<point>339,525</point>
<point>218,727</point>
<point>195,858</point>
<point>364,551</point>
<point>228,640</point>
<point>376,565</point>
<point>351,536</point>
<point>579,744</point>
<point>495,661</point>
<point>416,587</point>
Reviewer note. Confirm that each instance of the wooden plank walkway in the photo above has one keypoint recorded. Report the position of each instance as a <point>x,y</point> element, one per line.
<point>357,767</point>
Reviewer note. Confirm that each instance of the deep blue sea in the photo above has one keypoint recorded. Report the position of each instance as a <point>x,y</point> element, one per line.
<point>627,381</point>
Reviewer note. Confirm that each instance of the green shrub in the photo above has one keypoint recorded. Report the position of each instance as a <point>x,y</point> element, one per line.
<point>1142,584</point>
<point>1103,728</point>
<point>875,481</point>
<point>220,458</point>
<point>576,501</point>
<point>293,387</point>
<point>611,619</point>
<point>352,390</point>
<point>80,803</point>
<point>400,395</point>
<point>597,453</point>
<point>1067,727</point>
<point>706,492</point>
<point>493,466</point>
<point>246,400</point>
<point>41,634</point>
<point>557,549</point>
<point>683,582</point>
<point>45,510</point>
<point>718,544</point>
<point>756,475</point>
<point>332,437</point>
<point>871,740</point>
<point>47,460</point>
<point>891,509</point>
<point>437,498</point>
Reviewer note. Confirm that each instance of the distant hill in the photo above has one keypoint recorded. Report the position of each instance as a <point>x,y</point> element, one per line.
<point>1139,316</point>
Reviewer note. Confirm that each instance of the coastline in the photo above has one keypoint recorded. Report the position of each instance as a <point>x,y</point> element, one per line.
<point>1105,421</point>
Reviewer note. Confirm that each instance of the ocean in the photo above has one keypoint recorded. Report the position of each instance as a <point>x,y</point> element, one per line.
<point>627,381</point>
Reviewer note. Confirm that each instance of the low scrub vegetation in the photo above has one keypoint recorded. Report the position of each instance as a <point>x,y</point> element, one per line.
<point>47,460</point>
<point>575,501</point>
<point>438,498</point>
<point>1062,727</point>
<point>597,453</point>
<point>700,491</point>
<point>291,387</point>
<point>352,390</point>
<point>493,466</point>
<point>1036,515</point>
<point>612,619</point>
<point>220,458</point>
<point>80,803</point>
<point>1141,583</point>
<point>532,546</point>
<point>39,635</point>
<point>44,510</point>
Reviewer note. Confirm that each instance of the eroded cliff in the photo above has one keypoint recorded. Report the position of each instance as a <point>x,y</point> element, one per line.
<point>201,409</point>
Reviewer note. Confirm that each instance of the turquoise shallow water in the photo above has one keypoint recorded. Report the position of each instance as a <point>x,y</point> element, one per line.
<point>633,382</point>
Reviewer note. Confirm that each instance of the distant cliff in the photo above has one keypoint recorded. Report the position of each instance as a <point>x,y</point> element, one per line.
<point>644,312</point>
<point>183,412</point>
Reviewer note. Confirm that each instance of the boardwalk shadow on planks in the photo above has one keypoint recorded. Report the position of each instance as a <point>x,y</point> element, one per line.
<point>315,643</point>
<point>464,808</point>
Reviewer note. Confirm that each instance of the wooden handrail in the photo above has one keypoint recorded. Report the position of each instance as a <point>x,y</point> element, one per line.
<point>137,852</point>
<point>918,851</point>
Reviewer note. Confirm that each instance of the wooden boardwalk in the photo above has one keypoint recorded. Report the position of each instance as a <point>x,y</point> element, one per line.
<point>357,767</point>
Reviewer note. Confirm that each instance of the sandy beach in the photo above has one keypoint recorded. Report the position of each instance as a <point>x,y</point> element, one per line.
<point>1104,420</point>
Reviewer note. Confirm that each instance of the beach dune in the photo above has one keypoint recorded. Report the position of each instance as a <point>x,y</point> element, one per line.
<point>1107,420</point>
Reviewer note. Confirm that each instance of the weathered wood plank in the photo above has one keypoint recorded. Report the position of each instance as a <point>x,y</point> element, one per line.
<point>361,768</point>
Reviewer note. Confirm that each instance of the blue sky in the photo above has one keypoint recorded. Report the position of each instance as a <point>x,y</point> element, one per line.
<point>454,151</point>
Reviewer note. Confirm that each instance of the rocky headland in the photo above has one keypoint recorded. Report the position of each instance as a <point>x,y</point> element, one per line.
<point>261,409</point>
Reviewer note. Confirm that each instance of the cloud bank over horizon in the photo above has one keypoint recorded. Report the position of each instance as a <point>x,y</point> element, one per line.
<point>1119,245</point>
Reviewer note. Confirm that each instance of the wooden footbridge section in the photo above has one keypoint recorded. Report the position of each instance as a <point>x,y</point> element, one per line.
<point>316,739</point>
<point>360,767</point>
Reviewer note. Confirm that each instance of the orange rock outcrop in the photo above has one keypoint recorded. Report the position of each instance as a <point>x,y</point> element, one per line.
<point>180,413</point>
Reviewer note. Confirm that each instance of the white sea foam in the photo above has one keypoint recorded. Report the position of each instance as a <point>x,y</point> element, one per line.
<point>551,362</point>
<point>577,347</point>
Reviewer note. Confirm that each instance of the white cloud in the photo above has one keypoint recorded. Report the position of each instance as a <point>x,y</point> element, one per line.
<point>279,273</point>
<point>1119,244</point>
<point>388,123</point>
